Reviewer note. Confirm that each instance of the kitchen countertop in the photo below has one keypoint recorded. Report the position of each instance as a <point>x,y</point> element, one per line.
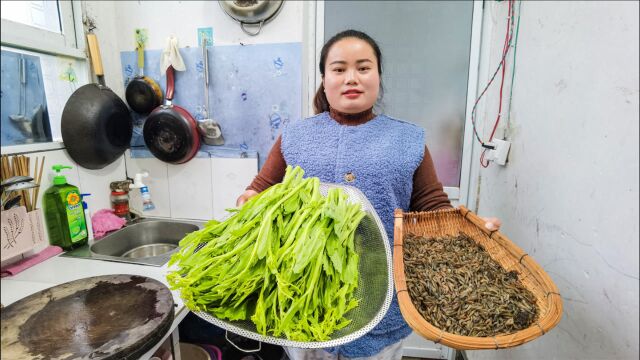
<point>58,270</point>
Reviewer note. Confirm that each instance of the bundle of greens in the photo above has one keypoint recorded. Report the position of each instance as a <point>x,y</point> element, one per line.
<point>286,260</point>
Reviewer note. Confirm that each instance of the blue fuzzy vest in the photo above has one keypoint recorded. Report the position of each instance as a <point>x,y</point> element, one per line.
<point>380,158</point>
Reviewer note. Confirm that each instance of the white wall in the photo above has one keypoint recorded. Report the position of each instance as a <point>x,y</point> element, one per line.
<point>569,193</point>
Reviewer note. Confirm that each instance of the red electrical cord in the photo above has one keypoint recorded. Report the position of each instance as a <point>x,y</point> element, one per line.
<point>505,50</point>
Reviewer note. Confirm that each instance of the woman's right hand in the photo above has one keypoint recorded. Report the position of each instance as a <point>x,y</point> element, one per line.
<point>245,196</point>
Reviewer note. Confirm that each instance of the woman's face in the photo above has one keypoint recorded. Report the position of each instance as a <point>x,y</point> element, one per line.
<point>351,80</point>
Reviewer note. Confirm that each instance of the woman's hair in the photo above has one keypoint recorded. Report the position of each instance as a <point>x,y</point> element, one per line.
<point>320,103</point>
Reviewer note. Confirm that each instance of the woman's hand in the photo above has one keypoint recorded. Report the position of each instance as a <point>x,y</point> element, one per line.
<point>491,223</point>
<point>245,196</point>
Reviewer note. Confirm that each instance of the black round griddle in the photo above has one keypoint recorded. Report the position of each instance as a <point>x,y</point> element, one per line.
<point>101,317</point>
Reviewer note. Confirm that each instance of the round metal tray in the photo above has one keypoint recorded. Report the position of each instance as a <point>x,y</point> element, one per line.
<point>375,283</point>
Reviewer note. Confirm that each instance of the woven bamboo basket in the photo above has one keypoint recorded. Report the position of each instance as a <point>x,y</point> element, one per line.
<point>501,249</point>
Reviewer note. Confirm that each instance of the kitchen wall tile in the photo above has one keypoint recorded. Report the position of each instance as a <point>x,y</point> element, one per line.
<point>96,182</point>
<point>157,182</point>
<point>230,177</point>
<point>190,189</point>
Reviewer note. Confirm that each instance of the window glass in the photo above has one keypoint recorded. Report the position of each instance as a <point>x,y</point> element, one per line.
<point>42,65</point>
<point>426,50</point>
<point>40,14</point>
<point>25,117</point>
<point>33,99</point>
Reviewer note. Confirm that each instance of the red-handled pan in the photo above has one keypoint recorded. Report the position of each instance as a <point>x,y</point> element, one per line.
<point>170,132</point>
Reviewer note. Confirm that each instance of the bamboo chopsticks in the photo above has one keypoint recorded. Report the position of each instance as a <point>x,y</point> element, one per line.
<point>19,165</point>
<point>37,177</point>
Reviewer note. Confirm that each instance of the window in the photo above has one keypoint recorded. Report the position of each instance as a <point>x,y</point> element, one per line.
<point>43,62</point>
<point>430,59</point>
<point>41,14</point>
<point>53,27</point>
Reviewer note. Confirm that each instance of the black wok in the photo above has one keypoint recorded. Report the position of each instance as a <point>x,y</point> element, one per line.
<point>96,124</point>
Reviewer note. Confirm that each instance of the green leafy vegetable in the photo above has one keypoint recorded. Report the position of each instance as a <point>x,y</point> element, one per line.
<point>286,260</point>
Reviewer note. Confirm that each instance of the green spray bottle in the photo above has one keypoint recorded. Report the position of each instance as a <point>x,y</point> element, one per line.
<point>64,214</point>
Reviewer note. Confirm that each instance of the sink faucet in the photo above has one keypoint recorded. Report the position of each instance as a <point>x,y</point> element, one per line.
<point>147,204</point>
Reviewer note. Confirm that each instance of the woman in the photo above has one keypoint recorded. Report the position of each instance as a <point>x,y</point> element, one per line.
<point>347,143</point>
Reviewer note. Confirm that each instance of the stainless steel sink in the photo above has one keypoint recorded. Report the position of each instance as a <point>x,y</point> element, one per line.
<point>147,242</point>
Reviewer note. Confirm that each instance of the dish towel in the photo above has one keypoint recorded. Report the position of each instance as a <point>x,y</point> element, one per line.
<point>171,56</point>
<point>28,262</point>
<point>105,220</point>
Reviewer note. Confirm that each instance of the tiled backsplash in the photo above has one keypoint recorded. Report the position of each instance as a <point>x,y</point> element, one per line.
<point>157,182</point>
<point>190,189</point>
<point>229,178</point>
<point>199,189</point>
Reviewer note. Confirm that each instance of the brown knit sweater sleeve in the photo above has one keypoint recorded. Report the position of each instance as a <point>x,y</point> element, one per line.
<point>273,169</point>
<point>427,190</point>
<point>428,193</point>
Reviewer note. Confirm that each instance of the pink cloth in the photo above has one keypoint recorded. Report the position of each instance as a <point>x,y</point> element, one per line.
<point>28,262</point>
<point>104,221</point>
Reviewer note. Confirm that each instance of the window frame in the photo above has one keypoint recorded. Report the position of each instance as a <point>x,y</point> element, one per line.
<point>469,172</point>
<point>70,43</point>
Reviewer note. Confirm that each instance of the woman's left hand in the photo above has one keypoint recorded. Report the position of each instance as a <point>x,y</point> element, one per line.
<point>491,223</point>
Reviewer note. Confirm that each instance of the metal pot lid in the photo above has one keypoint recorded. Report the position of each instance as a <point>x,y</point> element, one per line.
<point>252,12</point>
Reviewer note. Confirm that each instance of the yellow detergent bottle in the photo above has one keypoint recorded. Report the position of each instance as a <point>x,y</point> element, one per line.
<point>64,214</point>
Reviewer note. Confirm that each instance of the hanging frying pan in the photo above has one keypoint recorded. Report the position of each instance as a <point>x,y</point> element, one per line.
<point>96,124</point>
<point>143,94</point>
<point>170,132</point>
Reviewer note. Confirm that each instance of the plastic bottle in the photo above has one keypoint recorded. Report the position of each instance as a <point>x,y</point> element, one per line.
<point>64,214</point>
<point>147,204</point>
<point>87,217</point>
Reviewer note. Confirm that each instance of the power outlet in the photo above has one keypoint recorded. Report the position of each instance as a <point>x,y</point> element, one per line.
<point>500,152</point>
